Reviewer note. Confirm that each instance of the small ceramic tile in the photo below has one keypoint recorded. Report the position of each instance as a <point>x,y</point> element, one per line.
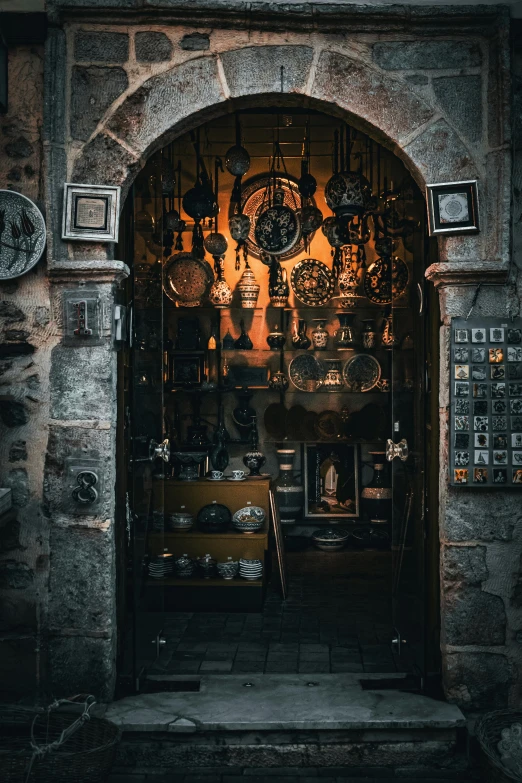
<point>514,354</point>
<point>480,475</point>
<point>514,336</point>
<point>462,372</point>
<point>516,440</point>
<point>498,390</point>
<point>480,423</point>
<point>496,355</point>
<point>480,390</point>
<point>496,335</point>
<point>461,336</point>
<point>461,440</point>
<point>478,372</point>
<point>499,422</point>
<point>481,457</point>
<point>517,476</point>
<point>461,389</point>
<point>515,389</point>
<point>461,475</point>
<point>498,372</point>
<point>461,422</point>
<point>499,406</point>
<point>481,440</point>
<point>500,457</point>
<point>461,406</point>
<point>478,335</point>
<point>478,355</point>
<point>515,406</point>
<point>516,423</point>
<point>514,371</point>
<point>460,355</point>
<point>500,441</point>
<point>499,476</point>
<point>461,458</point>
<point>480,407</point>
<point>516,458</point>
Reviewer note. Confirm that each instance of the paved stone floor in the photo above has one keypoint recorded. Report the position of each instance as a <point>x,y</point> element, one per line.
<point>301,775</point>
<point>329,625</point>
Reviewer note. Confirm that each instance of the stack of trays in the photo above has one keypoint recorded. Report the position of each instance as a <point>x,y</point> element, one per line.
<point>250,569</point>
<point>161,566</point>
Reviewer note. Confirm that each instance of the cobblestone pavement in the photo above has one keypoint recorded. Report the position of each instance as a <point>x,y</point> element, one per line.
<point>300,775</point>
<point>334,625</point>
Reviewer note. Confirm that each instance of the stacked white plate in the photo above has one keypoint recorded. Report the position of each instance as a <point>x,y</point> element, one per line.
<point>250,569</point>
<point>161,566</point>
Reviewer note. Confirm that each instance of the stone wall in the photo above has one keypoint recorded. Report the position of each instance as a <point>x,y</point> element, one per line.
<point>26,338</point>
<point>438,98</point>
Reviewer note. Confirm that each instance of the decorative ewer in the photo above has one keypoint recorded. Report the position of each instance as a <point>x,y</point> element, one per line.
<point>248,288</point>
<point>239,227</point>
<point>220,294</point>
<point>299,338</point>
<point>278,381</point>
<point>368,334</point>
<point>345,338</point>
<point>388,337</point>
<point>216,244</point>
<point>254,459</point>
<point>276,339</point>
<point>237,160</point>
<point>333,379</point>
<point>278,288</point>
<point>277,228</point>
<point>320,335</point>
<point>311,220</point>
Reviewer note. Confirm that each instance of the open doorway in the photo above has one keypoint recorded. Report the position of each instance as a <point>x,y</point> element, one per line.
<point>281,344</point>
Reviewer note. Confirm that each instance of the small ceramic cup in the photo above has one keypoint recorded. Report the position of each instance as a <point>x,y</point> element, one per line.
<point>216,474</point>
<point>238,474</point>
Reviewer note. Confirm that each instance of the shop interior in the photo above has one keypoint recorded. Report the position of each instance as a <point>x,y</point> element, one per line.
<point>275,408</point>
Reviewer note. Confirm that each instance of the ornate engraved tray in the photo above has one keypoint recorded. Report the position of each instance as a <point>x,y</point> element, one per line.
<point>312,282</point>
<point>382,285</point>
<point>187,280</point>
<point>22,234</point>
<point>362,372</point>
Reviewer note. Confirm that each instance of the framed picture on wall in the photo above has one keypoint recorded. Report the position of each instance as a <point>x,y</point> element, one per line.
<point>331,480</point>
<point>453,207</point>
<point>91,213</point>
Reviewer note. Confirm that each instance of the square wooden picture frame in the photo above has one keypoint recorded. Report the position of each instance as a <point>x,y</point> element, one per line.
<point>453,207</point>
<point>91,213</point>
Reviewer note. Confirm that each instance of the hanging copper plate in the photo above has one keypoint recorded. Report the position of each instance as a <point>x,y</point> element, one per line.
<point>187,280</point>
<point>382,285</point>
<point>312,282</point>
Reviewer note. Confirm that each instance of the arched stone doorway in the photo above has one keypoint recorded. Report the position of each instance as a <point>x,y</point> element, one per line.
<point>337,77</point>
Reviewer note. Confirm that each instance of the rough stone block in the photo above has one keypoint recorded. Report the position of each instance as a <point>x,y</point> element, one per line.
<point>19,148</point>
<point>93,397</point>
<point>18,667</point>
<point>13,413</point>
<point>481,517</point>
<point>93,90</point>
<point>10,312</point>
<point>440,155</point>
<point>81,664</point>
<point>152,47</point>
<point>477,680</point>
<point>388,104</point>
<point>9,534</point>
<point>411,55</point>
<point>195,42</point>
<point>18,480</point>
<point>15,575</point>
<point>472,616</point>
<point>267,69</point>
<point>165,100</point>
<point>101,47</point>
<point>464,564</point>
<point>82,575</point>
<point>460,98</point>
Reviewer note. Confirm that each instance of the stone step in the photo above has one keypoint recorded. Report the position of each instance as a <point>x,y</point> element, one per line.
<point>286,721</point>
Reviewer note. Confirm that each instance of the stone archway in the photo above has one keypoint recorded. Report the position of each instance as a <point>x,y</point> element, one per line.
<point>154,110</point>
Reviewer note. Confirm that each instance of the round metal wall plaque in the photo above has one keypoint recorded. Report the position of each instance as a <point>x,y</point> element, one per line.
<point>22,234</point>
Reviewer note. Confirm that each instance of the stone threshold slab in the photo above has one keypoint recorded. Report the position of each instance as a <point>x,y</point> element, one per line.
<point>280,702</point>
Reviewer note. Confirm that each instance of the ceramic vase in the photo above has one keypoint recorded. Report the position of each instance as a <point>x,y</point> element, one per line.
<point>276,339</point>
<point>278,381</point>
<point>388,337</point>
<point>345,338</point>
<point>333,379</point>
<point>220,294</point>
<point>243,342</point>
<point>368,334</point>
<point>278,288</point>
<point>248,288</point>
<point>299,338</point>
<point>254,459</point>
<point>377,496</point>
<point>320,335</point>
<point>288,491</point>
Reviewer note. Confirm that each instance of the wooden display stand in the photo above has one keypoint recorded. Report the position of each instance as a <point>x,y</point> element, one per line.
<point>215,594</point>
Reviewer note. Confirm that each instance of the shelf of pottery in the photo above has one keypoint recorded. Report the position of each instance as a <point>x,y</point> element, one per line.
<point>210,533</point>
